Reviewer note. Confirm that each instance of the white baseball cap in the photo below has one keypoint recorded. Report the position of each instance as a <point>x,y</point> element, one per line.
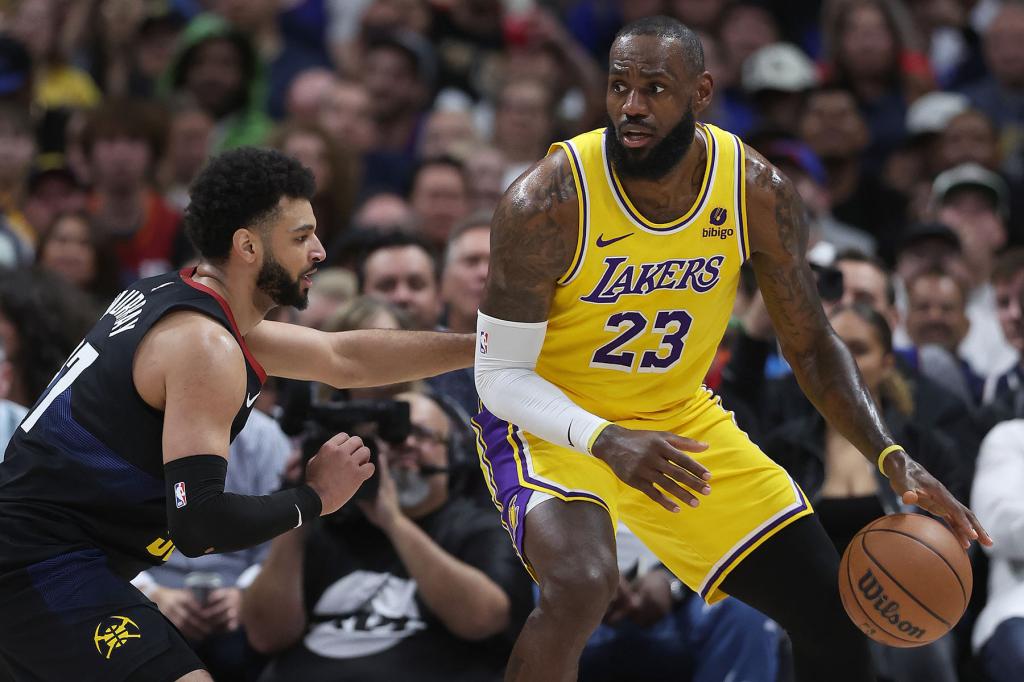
<point>779,66</point>
<point>931,113</point>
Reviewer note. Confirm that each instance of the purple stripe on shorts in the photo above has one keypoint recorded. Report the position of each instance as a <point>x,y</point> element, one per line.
<point>499,457</point>
<point>746,545</point>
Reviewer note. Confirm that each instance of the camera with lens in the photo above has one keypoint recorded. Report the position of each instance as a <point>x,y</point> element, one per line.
<point>830,282</point>
<point>371,420</point>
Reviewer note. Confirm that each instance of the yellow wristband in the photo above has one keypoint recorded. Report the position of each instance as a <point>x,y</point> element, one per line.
<point>885,453</point>
<point>595,434</point>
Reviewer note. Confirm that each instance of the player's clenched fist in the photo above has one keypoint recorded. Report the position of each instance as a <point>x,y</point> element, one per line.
<point>645,459</point>
<point>338,469</point>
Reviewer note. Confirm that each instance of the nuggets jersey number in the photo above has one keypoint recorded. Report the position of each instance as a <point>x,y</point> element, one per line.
<point>637,317</point>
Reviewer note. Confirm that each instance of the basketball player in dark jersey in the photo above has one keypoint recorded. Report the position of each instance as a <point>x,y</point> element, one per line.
<point>122,459</point>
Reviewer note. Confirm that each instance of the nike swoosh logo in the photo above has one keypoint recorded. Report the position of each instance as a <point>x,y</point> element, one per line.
<point>296,509</point>
<point>250,399</point>
<point>602,242</point>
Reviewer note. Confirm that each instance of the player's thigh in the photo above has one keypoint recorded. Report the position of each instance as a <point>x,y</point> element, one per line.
<point>69,617</point>
<point>751,498</point>
<point>558,505</point>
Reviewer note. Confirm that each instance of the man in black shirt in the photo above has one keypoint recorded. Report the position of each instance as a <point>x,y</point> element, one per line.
<point>426,587</point>
<point>123,457</point>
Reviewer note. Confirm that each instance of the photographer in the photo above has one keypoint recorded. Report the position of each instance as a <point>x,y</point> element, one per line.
<point>421,585</point>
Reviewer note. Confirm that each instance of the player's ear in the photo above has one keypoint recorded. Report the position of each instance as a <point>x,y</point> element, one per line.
<point>702,93</point>
<point>247,244</point>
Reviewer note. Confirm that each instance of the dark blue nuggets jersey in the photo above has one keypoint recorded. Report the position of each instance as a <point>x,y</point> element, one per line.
<point>85,467</point>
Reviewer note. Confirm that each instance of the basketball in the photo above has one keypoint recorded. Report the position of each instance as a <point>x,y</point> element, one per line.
<point>905,580</point>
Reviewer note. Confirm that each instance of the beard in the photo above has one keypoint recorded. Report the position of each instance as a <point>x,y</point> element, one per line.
<point>653,163</point>
<point>275,282</point>
<point>412,487</point>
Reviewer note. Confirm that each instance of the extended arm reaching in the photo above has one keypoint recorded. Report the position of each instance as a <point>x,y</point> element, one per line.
<point>369,357</point>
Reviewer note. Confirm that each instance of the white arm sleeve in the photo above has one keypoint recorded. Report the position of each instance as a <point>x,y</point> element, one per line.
<point>506,380</point>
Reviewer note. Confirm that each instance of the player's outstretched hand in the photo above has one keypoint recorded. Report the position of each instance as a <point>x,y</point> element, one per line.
<point>655,461</point>
<point>915,485</point>
<point>338,469</point>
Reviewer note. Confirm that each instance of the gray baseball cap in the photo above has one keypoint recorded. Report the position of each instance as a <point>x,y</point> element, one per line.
<point>972,175</point>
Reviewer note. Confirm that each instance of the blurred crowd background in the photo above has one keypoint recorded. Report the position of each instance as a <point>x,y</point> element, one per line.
<point>900,122</point>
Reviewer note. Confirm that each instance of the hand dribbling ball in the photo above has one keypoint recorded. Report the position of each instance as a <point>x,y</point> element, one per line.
<point>905,580</point>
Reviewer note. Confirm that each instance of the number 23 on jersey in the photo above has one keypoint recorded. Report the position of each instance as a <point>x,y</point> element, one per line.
<point>628,325</point>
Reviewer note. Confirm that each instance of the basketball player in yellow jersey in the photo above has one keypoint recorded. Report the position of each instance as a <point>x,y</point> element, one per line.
<point>614,263</point>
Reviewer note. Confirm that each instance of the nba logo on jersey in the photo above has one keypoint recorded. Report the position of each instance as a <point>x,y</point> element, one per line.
<point>483,343</point>
<point>179,495</point>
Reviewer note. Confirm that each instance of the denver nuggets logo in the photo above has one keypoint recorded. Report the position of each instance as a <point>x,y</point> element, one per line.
<point>513,514</point>
<point>114,633</point>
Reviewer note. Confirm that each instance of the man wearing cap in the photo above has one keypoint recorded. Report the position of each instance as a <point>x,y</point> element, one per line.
<point>926,121</point>
<point>973,201</point>
<point>777,77</point>
<point>52,188</point>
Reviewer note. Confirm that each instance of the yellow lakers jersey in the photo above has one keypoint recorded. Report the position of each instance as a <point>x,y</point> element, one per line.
<point>636,319</point>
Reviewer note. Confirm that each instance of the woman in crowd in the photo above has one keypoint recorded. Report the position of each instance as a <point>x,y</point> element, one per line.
<point>73,248</point>
<point>848,492</point>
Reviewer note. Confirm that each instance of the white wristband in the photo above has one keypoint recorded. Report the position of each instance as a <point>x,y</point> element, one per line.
<point>508,384</point>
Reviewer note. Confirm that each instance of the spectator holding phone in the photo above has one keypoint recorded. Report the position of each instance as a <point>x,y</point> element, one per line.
<point>420,586</point>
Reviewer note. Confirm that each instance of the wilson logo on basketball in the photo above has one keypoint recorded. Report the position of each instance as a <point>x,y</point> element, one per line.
<point>874,592</point>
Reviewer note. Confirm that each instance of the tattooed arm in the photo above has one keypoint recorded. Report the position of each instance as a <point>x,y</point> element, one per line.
<point>824,367</point>
<point>533,239</point>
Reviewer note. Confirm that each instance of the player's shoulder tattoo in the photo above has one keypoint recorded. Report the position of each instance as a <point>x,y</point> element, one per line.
<point>533,238</point>
<point>776,212</point>
<point>546,188</point>
<point>537,218</point>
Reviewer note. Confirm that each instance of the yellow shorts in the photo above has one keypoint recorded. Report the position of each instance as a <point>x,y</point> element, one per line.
<point>751,499</point>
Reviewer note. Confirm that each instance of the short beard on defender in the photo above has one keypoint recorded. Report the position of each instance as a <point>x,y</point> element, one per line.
<point>275,282</point>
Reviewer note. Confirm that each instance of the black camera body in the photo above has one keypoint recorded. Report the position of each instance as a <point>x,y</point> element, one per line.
<point>387,420</point>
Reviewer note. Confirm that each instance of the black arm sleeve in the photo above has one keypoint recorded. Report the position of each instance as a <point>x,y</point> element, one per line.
<point>203,518</point>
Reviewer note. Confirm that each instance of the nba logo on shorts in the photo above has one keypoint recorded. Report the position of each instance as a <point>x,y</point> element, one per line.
<point>179,495</point>
<point>483,343</point>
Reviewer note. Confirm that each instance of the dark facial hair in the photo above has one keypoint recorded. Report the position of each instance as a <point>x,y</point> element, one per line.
<point>656,162</point>
<point>275,282</point>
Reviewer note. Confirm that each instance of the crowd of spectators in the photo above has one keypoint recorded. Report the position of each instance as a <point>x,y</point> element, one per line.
<point>901,123</point>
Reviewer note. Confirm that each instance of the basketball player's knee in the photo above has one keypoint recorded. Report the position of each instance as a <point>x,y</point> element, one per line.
<point>580,589</point>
